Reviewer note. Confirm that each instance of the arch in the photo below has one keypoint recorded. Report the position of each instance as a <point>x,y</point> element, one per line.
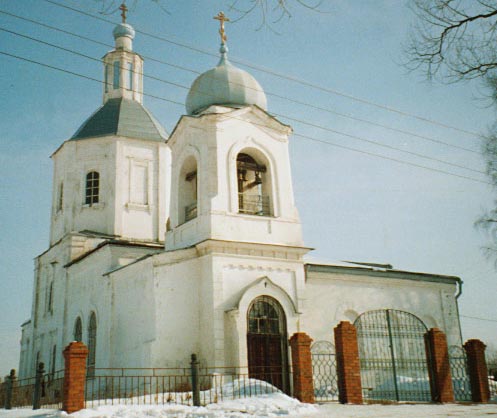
<point>262,155</point>
<point>393,355</point>
<point>323,347</point>
<point>187,190</point>
<point>78,330</point>
<point>92,188</point>
<point>254,183</point>
<point>92,344</point>
<point>267,345</point>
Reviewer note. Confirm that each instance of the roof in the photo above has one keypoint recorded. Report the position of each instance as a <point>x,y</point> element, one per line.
<point>374,272</point>
<point>122,117</point>
<point>224,85</point>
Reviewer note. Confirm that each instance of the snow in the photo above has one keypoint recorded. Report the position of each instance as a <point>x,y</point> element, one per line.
<point>271,405</point>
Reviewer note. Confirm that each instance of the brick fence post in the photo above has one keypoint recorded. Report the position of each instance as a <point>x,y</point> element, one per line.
<point>477,369</point>
<point>74,377</point>
<point>348,366</point>
<point>303,385</point>
<point>437,355</point>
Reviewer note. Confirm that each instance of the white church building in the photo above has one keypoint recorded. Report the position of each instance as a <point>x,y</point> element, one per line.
<point>166,245</point>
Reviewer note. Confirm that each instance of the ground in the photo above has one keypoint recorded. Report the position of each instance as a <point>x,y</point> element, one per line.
<point>274,405</point>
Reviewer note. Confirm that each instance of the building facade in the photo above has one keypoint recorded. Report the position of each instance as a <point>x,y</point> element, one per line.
<point>166,245</point>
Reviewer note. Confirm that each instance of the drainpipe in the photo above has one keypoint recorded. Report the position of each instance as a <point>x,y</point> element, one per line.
<point>459,292</point>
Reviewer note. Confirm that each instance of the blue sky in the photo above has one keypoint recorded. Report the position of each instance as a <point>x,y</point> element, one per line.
<point>353,206</point>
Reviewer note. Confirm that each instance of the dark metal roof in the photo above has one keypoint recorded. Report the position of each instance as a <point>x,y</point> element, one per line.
<point>122,117</point>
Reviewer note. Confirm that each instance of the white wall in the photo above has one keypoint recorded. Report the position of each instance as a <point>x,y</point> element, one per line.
<point>335,297</point>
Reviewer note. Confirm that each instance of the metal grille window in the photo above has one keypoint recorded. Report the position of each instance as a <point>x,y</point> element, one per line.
<point>78,330</point>
<point>264,318</point>
<point>92,188</point>
<point>92,345</point>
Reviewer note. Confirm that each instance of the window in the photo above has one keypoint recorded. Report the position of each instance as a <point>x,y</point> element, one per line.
<point>138,193</point>
<point>253,186</point>
<point>92,345</point>
<point>106,78</point>
<point>78,330</point>
<point>116,75</point>
<point>92,188</point>
<point>187,191</point>
<point>50,298</point>
<point>60,197</point>
<point>130,76</point>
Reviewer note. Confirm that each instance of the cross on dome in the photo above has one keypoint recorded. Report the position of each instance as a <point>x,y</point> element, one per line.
<point>123,9</point>
<point>222,18</point>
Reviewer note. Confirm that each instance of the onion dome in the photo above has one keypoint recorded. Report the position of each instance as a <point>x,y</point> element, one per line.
<point>123,29</point>
<point>224,85</point>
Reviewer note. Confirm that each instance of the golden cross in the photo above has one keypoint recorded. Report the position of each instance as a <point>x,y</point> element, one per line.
<point>123,9</point>
<point>222,18</point>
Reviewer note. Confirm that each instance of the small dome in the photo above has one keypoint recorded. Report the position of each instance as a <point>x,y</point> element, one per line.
<point>123,29</point>
<point>224,85</point>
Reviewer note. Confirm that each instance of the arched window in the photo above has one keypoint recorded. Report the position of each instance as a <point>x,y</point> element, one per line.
<point>253,186</point>
<point>78,330</point>
<point>50,298</point>
<point>92,344</point>
<point>116,75</point>
<point>60,197</point>
<point>187,191</point>
<point>92,187</point>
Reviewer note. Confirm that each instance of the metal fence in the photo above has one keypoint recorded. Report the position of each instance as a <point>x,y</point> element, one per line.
<point>324,372</point>
<point>393,357</point>
<point>30,393</point>
<point>459,371</point>
<point>159,386</point>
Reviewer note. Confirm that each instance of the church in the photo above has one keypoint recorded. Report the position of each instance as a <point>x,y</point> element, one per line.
<point>163,245</point>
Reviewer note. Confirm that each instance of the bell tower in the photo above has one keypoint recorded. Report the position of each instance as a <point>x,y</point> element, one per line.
<point>231,176</point>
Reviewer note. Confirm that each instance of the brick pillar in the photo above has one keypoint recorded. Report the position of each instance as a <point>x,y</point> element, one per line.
<point>477,369</point>
<point>437,354</point>
<point>303,385</point>
<point>74,377</point>
<point>348,367</point>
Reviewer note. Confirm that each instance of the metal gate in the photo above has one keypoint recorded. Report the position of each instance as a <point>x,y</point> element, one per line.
<point>392,356</point>
<point>459,371</point>
<point>324,371</point>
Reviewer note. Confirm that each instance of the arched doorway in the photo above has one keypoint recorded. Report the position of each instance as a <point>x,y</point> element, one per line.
<point>393,356</point>
<point>267,342</point>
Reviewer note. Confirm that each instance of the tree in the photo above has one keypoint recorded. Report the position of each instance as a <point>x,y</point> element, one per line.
<point>271,11</point>
<point>456,40</point>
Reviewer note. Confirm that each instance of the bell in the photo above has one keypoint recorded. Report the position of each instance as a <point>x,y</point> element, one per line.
<point>258,179</point>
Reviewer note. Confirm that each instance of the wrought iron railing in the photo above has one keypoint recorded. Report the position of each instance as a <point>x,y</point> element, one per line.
<point>254,204</point>
<point>159,386</point>
<point>324,372</point>
<point>459,371</point>
<point>23,391</point>
<point>190,212</point>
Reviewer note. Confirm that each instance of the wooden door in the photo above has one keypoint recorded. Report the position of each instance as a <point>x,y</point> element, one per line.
<point>266,343</point>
